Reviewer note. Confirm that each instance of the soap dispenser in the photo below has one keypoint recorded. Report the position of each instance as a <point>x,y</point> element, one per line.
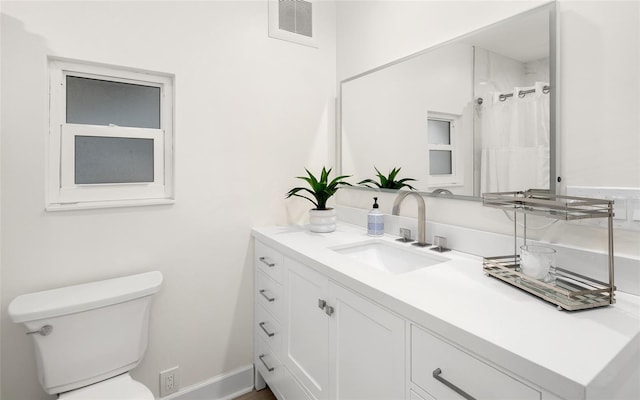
<point>375,220</point>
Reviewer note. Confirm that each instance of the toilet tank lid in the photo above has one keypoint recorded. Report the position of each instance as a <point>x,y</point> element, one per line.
<point>87,296</point>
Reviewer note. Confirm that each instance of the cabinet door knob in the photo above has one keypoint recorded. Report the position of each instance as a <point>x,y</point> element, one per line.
<point>322,304</point>
<point>437,375</point>
<point>329,310</point>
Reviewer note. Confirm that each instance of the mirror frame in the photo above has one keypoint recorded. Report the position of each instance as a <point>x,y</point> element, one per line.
<point>554,161</point>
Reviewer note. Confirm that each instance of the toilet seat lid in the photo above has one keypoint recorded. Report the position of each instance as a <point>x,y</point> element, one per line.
<point>121,387</point>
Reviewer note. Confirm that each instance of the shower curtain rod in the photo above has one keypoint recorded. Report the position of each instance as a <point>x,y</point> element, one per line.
<point>545,89</point>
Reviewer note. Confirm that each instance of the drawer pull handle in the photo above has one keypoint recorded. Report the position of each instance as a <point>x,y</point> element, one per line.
<point>269,299</point>
<point>436,374</point>
<point>322,304</point>
<point>270,334</point>
<point>266,262</point>
<point>261,357</point>
<point>329,310</point>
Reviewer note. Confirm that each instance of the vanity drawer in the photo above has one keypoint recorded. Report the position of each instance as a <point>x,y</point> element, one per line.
<point>269,295</point>
<point>267,362</point>
<point>268,330</point>
<point>269,261</point>
<point>276,374</point>
<point>431,356</point>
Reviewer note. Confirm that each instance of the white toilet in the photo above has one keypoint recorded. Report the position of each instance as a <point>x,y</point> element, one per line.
<point>88,337</point>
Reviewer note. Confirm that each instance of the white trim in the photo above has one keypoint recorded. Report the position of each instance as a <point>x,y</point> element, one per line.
<point>103,71</point>
<point>277,33</point>
<point>226,386</point>
<point>90,205</point>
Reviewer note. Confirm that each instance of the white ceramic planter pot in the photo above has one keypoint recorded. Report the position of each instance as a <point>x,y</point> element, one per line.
<point>322,221</point>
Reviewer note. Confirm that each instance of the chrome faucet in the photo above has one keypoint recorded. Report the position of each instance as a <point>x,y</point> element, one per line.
<point>442,191</point>
<point>421,214</point>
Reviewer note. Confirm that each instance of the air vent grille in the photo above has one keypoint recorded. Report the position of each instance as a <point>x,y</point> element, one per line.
<point>296,16</point>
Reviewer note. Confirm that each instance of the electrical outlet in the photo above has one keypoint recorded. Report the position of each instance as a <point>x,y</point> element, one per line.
<point>169,381</point>
<point>626,205</point>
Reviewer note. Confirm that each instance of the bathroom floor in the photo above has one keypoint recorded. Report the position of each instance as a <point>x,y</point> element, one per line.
<point>264,394</point>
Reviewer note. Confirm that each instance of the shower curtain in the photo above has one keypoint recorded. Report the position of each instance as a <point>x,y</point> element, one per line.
<point>514,141</point>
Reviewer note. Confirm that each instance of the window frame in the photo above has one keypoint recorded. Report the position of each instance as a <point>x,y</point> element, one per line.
<point>62,193</point>
<point>455,178</point>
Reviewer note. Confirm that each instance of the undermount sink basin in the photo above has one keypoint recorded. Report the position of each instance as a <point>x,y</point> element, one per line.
<point>390,257</point>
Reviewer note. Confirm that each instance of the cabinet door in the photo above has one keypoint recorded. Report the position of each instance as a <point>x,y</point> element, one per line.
<point>367,347</point>
<point>306,333</point>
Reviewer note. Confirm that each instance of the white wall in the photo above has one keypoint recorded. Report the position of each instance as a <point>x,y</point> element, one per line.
<point>372,33</point>
<point>600,98</point>
<point>599,90</point>
<point>250,113</point>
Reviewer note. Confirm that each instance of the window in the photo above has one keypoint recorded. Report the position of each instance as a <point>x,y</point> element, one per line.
<point>441,146</point>
<point>110,137</point>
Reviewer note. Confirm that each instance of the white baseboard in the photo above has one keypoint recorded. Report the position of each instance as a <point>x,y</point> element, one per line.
<point>226,386</point>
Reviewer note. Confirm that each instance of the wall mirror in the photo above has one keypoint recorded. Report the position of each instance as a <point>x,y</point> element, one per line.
<point>475,114</point>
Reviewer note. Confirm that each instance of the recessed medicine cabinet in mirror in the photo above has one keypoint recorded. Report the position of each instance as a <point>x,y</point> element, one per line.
<point>473,115</point>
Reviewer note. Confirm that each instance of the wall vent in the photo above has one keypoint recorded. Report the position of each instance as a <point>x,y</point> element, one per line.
<point>295,21</point>
<point>296,16</point>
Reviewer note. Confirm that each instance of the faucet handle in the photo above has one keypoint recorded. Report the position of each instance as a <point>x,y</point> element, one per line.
<point>405,235</point>
<point>441,244</point>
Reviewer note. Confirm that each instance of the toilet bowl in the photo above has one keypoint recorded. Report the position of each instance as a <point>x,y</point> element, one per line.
<point>88,337</point>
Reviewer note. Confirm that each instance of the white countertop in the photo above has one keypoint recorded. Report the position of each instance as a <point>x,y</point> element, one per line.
<point>567,353</point>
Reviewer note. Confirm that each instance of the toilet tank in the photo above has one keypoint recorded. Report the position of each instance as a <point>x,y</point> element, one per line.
<point>99,329</point>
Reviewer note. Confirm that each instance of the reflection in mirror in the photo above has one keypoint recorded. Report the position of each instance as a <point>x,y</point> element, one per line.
<point>472,115</point>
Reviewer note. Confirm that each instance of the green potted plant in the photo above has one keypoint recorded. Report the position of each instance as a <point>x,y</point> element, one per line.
<point>389,181</point>
<point>321,218</point>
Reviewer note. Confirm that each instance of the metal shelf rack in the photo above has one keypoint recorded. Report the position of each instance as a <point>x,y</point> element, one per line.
<point>569,291</point>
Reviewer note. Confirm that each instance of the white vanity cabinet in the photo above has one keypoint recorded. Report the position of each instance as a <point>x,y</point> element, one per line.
<point>318,340</point>
<point>339,344</point>
<point>335,343</point>
<point>343,330</point>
